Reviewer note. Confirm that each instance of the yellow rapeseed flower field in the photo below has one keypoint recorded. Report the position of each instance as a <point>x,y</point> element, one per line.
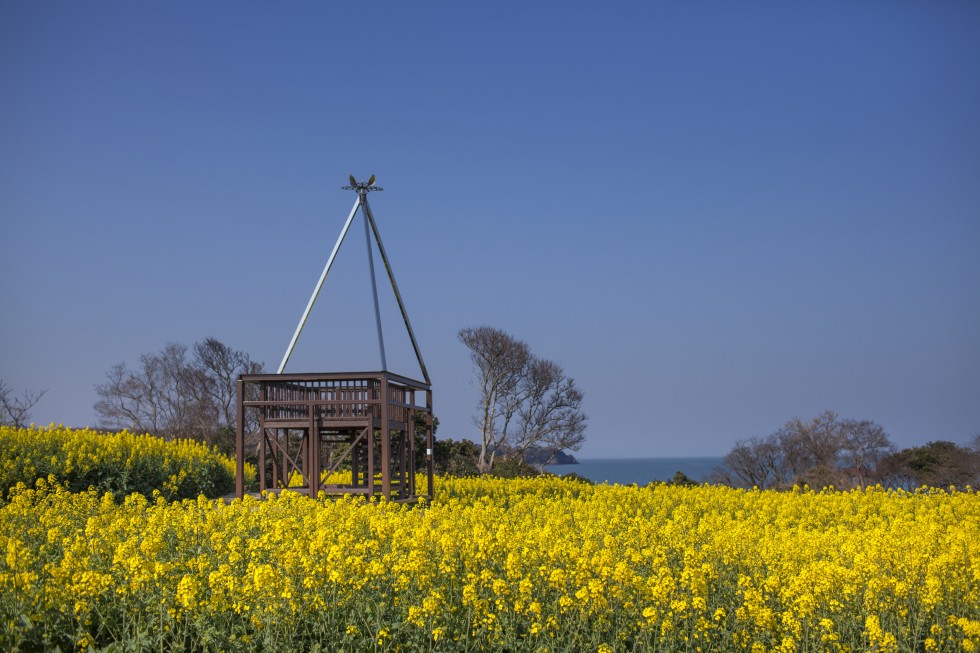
<point>120,463</point>
<point>539,564</point>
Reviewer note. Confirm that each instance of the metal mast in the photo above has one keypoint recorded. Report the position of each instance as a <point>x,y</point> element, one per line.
<point>362,189</point>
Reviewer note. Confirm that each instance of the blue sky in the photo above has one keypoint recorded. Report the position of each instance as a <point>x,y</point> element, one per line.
<point>716,216</point>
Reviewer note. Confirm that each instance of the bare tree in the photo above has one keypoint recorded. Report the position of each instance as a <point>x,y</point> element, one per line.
<point>548,411</point>
<point>220,366</point>
<point>500,361</point>
<point>16,411</point>
<point>829,450</point>
<point>823,451</point>
<point>216,368</point>
<point>866,444</point>
<point>756,462</point>
<point>817,443</point>
<point>157,398</point>
<point>172,395</point>
<point>125,402</point>
<point>524,401</point>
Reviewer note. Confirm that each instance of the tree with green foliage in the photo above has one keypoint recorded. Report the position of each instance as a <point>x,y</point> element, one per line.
<point>680,478</point>
<point>936,464</point>
<point>457,458</point>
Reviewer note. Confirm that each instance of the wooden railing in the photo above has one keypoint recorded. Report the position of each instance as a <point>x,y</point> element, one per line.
<point>339,397</point>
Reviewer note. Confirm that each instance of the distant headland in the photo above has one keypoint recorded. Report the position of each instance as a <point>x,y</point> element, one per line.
<point>548,456</point>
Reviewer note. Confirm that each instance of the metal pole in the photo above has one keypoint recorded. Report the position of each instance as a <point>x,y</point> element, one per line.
<point>374,289</point>
<point>319,285</point>
<point>394,286</point>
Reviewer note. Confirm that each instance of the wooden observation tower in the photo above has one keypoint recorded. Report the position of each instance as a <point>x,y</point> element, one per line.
<point>365,423</point>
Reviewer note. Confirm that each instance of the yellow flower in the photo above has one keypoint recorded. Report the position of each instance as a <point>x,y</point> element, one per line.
<point>187,592</point>
<point>492,560</point>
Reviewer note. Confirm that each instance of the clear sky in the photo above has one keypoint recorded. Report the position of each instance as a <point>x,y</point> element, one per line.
<point>716,216</point>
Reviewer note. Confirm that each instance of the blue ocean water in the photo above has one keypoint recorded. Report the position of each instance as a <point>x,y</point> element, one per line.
<point>641,471</point>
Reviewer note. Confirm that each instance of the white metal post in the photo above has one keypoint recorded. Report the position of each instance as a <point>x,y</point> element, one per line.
<point>319,285</point>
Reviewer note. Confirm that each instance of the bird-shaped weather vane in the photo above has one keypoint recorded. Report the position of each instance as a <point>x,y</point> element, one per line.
<point>362,187</point>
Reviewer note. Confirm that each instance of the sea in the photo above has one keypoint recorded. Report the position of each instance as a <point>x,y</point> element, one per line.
<point>626,471</point>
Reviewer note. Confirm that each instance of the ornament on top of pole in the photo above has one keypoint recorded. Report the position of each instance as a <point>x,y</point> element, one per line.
<point>362,188</point>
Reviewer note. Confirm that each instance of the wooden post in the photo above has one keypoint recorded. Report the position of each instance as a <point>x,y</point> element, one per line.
<point>240,442</point>
<point>355,462</point>
<point>284,448</point>
<point>370,459</point>
<point>312,460</point>
<point>429,443</point>
<point>385,439</point>
<point>262,441</point>
<point>411,447</point>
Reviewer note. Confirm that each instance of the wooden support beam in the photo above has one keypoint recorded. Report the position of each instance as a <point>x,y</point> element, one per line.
<point>385,440</point>
<point>429,443</point>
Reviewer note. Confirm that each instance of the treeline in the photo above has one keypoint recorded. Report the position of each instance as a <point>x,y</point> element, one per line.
<point>529,409</point>
<point>190,393</point>
<point>527,419</point>
<point>845,453</point>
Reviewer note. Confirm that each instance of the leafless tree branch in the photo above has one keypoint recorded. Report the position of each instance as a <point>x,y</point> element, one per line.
<point>16,411</point>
